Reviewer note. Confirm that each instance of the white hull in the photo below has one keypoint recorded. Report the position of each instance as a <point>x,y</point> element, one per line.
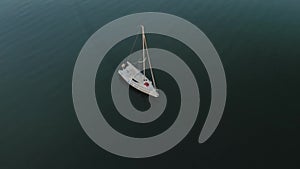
<point>136,79</point>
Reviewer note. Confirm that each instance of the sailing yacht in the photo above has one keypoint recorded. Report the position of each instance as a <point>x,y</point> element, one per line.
<point>137,79</point>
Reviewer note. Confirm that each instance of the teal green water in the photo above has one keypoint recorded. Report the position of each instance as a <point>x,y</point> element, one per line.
<point>258,42</point>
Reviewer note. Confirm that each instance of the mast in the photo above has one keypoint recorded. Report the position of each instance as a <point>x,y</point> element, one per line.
<point>143,42</point>
<point>145,46</point>
<point>149,62</point>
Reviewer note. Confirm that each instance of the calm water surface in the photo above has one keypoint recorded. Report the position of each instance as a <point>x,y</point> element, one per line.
<point>258,42</point>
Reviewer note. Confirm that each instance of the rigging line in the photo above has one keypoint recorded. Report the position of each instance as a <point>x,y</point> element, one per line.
<point>136,36</point>
<point>134,43</point>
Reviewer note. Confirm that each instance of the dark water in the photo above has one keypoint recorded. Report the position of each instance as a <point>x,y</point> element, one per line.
<point>258,42</point>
